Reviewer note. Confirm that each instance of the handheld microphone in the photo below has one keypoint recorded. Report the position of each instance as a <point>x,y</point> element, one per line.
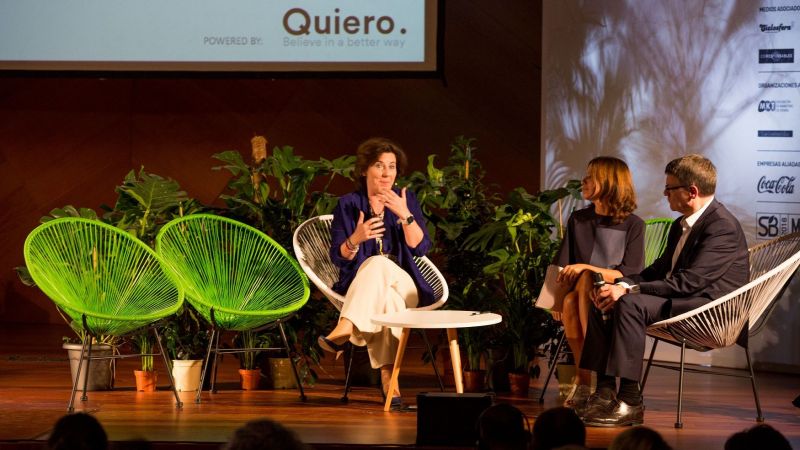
<point>597,277</point>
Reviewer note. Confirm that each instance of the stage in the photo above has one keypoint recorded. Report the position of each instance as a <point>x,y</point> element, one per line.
<point>35,386</point>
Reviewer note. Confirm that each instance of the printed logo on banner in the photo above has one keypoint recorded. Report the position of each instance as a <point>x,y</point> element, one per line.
<point>778,85</point>
<point>772,28</point>
<point>777,163</point>
<point>771,225</point>
<point>775,133</point>
<point>777,186</point>
<point>774,105</point>
<point>782,8</point>
<point>775,55</point>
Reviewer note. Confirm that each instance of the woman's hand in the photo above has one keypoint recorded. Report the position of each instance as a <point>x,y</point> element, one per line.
<point>569,275</point>
<point>398,204</point>
<point>371,229</point>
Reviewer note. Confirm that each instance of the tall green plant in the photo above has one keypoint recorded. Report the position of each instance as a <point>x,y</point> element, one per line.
<point>146,202</point>
<point>519,239</point>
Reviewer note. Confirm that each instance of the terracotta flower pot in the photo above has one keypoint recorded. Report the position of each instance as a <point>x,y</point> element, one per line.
<point>251,378</point>
<point>520,382</point>
<point>145,380</point>
<point>474,380</point>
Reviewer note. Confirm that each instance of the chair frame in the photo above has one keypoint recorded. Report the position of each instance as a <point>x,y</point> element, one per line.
<point>217,329</point>
<point>653,249</point>
<point>429,270</point>
<point>91,335</point>
<point>689,330</point>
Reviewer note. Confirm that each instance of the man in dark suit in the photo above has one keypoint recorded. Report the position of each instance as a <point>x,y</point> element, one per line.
<point>706,257</point>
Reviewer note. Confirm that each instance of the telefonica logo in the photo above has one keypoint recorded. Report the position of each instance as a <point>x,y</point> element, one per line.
<point>299,22</point>
<point>779,8</point>
<point>771,28</point>
<point>776,56</point>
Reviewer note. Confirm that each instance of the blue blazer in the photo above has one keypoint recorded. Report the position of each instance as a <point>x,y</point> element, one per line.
<point>345,217</point>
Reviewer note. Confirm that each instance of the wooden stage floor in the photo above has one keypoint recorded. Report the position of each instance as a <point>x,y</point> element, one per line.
<point>34,389</point>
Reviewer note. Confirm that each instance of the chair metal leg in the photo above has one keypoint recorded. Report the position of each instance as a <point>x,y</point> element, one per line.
<point>649,363</point>
<point>215,365</point>
<point>84,397</point>
<point>178,402</point>
<point>294,366</point>
<point>433,359</point>
<point>205,365</point>
<point>344,398</point>
<point>759,416</point>
<point>678,422</point>
<point>553,361</point>
<point>71,405</point>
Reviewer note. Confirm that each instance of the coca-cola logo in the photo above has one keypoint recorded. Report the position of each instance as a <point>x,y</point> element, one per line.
<point>782,185</point>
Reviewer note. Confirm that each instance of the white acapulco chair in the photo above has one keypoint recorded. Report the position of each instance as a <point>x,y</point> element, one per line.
<point>733,318</point>
<point>312,242</point>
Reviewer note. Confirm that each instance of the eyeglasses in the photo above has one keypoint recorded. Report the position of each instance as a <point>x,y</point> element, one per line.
<point>672,188</point>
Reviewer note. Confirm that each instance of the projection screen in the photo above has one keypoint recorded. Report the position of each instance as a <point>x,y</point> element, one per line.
<point>213,35</point>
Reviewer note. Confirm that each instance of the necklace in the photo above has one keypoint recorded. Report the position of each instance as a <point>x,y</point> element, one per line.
<point>378,240</point>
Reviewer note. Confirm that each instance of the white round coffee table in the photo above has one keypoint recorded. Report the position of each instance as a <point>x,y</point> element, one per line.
<point>449,319</point>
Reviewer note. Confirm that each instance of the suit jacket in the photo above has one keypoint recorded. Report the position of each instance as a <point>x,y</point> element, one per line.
<point>713,262</point>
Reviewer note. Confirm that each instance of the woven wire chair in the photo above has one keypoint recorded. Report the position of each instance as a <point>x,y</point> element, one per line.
<point>656,232</point>
<point>733,318</point>
<point>312,243</point>
<point>105,280</point>
<point>236,277</point>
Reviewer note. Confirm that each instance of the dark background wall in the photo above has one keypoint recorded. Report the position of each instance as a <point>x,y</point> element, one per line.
<point>71,139</point>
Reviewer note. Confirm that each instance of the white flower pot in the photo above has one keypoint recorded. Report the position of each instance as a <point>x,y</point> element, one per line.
<point>187,373</point>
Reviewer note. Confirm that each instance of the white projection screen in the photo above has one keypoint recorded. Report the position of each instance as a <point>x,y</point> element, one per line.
<point>219,36</point>
<point>650,80</point>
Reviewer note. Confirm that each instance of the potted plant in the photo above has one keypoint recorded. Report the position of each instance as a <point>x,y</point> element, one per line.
<point>186,343</point>
<point>521,244</point>
<point>249,371</point>
<point>143,342</point>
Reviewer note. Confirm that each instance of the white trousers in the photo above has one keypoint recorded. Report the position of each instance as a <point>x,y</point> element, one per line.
<point>380,286</point>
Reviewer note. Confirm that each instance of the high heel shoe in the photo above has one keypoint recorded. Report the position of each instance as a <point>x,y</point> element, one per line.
<point>330,346</point>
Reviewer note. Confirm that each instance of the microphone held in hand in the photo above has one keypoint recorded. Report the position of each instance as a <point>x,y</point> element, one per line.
<point>597,277</point>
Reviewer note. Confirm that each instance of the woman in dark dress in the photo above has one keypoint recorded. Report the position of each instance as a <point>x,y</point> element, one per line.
<point>605,237</point>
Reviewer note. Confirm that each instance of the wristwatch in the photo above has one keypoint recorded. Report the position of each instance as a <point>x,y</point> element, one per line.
<point>407,221</point>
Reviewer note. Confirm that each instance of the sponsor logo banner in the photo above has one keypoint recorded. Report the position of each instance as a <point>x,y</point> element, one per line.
<point>777,186</point>
<point>770,225</point>
<point>775,133</point>
<point>776,56</point>
<point>772,28</point>
<point>774,105</point>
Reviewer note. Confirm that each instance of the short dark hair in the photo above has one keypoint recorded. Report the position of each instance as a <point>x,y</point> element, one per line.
<point>639,438</point>
<point>558,427</point>
<point>78,431</point>
<point>758,436</point>
<point>502,426</point>
<point>370,150</point>
<point>263,434</point>
<point>695,170</point>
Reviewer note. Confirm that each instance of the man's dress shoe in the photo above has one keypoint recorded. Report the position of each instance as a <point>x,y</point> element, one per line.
<point>617,413</point>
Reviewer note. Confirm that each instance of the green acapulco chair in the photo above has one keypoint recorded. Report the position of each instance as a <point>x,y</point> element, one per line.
<point>236,277</point>
<point>105,280</point>
<point>656,231</point>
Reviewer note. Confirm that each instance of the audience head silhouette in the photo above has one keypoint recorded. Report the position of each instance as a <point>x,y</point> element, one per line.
<point>639,438</point>
<point>759,436</point>
<point>264,434</point>
<point>78,431</point>
<point>502,427</point>
<point>558,427</point>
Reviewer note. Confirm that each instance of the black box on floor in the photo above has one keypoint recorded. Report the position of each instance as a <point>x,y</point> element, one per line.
<point>445,418</point>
